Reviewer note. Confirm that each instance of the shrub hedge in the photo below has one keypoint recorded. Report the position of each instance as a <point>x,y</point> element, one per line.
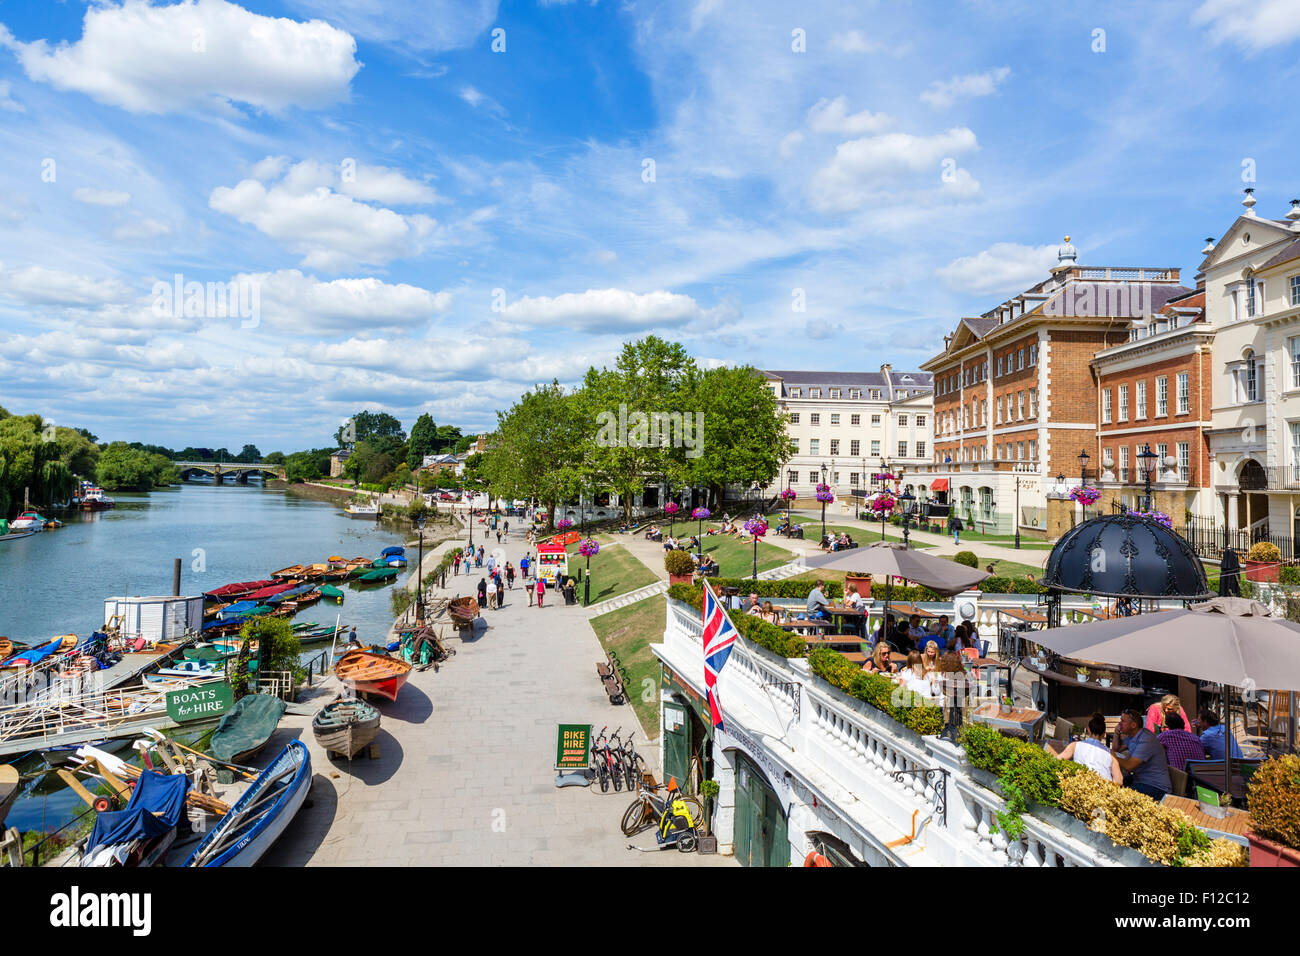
<point>751,628</point>
<point>910,710</point>
<point>967,558</point>
<point>1274,800</point>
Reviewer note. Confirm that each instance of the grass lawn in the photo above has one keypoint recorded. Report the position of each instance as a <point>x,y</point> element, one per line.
<point>614,571</point>
<point>629,632</point>
<point>736,558</point>
<point>1005,541</point>
<point>812,529</point>
<point>1000,567</point>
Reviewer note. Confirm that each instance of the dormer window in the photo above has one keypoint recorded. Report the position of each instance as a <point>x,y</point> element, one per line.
<point>835,393</point>
<point>855,393</point>
<point>796,393</point>
<point>814,393</point>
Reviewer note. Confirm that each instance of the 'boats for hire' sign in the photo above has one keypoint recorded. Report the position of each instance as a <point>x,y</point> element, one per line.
<point>196,703</point>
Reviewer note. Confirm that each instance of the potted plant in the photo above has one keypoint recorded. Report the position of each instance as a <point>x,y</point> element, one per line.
<point>679,566</point>
<point>1082,674</point>
<point>1263,562</point>
<point>1273,800</point>
<point>1105,678</point>
<point>861,580</point>
<point>709,791</point>
<point>1006,705</point>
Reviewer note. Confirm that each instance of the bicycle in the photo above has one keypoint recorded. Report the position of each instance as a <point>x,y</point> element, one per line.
<point>649,810</point>
<point>633,764</point>
<point>597,761</point>
<point>614,751</point>
<point>606,763</point>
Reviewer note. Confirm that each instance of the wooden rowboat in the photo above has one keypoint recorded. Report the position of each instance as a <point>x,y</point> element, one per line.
<point>293,571</point>
<point>345,726</point>
<point>371,673</point>
<point>463,610</point>
<point>6,647</point>
<point>8,790</point>
<point>68,642</point>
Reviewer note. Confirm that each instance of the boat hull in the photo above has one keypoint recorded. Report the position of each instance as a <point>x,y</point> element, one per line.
<point>370,673</point>
<point>338,734</point>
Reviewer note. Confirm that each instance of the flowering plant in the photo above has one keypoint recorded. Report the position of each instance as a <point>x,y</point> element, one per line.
<point>788,494</point>
<point>756,527</point>
<point>824,493</point>
<point>1159,517</point>
<point>1085,496</point>
<point>700,513</point>
<point>884,502</point>
<point>590,547</point>
<point>885,476</point>
<point>671,508</point>
<point>564,523</point>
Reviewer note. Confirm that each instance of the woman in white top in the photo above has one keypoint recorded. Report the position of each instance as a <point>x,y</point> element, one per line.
<point>1093,753</point>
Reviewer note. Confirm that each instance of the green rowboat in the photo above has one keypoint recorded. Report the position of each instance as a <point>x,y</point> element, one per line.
<point>331,592</point>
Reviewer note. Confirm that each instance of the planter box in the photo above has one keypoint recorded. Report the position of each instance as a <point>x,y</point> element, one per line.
<point>1264,572</point>
<point>680,578</point>
<point>1267,853</point>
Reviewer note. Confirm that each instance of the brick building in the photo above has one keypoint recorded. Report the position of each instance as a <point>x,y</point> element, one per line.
<point>1016,401</point>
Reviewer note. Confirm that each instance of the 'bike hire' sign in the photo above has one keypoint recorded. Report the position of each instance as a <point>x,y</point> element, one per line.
<point>573,746</point>
<point>196,703</point>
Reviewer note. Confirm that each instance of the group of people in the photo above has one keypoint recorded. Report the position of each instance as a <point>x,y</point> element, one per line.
<point>1145,749</point>
<point>837,542</point>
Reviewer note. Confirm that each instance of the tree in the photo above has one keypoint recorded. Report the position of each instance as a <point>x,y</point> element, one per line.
<point>274,458</point>
<point>249,455</point>
<point>367,425</point>
<point>536,450</point>
<point>123,468</point>
<point>423,441</point>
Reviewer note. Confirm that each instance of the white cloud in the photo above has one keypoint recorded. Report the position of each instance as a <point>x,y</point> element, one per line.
<point>832,116</point>
<point>853,42</point>
<point>1253,25</point>
<point>329,229</point>
<point>141,228</point>
<point>941,94</point>
<point>157,59</point>
<point>290,300</point>
<point>1003,268</point>
<point>7,102</point>
<point>433,25</point>
<point>864,168</point>
<point>822,329</point>
<point>605,310</point>
<point>480,100</point>
<point>961,184</point>
<point>37,285</point>
<point>101,197</point>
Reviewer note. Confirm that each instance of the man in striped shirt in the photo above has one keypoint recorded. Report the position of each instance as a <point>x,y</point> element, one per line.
<point>1181,745</point>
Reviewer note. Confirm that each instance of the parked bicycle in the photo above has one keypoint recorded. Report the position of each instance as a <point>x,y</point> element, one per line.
<point>614,751</point>
<point>605,762</point>
<point>633,764</point>
<point>673,813</point>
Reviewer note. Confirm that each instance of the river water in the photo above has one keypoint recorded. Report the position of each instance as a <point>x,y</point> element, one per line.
<point>56,582</point>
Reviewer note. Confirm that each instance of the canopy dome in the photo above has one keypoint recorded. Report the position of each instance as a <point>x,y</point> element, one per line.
<point>1125,556</point>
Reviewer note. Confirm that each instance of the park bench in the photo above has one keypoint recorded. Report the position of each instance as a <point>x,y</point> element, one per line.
<point>612,673</point>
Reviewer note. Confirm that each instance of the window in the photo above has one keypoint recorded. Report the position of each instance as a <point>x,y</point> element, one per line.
<point>855,420</point>
<point>1293,346</point>
<point>1123,403</point>
<point>1162,450</point>
<point>999,365</point>
<point>796,392</point>
<point>1033,402</point>
<point>1250,297</point>
<point>1020,451</point>
<point>984,411</point>
<point>814,393</point>
<point>875,394</point>
<point>902,449</point>
<point>814,478</point>
<point>1033,355</point>
<point>835,418</point>
<point>1185,461</point>
<point>920,421</point>
<point>796,445</point>
<point>1105,406</point>
<point>875,420</point>
<point>855,447</point>
<point>853,479</point>
<point>1123,463</point>
<point>920,449</point>
<point>835,393</point>
<point>1020,359</point>
<point>794,418</point>
<point>1295,289</point>
<point>998,411</point>
<point>792,478</point>
<point>1162,396</point>
<point>814,446</point>
<point>1141,399</point>
<point>835,446</point>
<point>875,449</point>
<point>815,418</point>
<point>1033,451</point>
<point>835,478</point>
<point>1184,396</point>
<point>902,421</point>
<point>1020,406</point>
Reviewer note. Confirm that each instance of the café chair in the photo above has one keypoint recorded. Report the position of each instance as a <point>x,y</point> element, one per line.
<point>1179,779</point>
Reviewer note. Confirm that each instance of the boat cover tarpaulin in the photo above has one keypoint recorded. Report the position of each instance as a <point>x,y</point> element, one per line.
<point>289,594</point>
<point>155,808</point>
<point>243,587</point>
<point>247,725</point>
<point>34,656</point>
<point>263,593</point>
<point>236,609</point>
<point>389,552</point>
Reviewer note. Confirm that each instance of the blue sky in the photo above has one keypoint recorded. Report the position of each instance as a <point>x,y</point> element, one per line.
<point>434,226</point>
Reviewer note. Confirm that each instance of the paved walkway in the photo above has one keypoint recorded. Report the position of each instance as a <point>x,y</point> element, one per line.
<point>464,775</point>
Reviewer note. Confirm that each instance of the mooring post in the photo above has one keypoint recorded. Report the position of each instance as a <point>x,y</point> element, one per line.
<point>176,578</point>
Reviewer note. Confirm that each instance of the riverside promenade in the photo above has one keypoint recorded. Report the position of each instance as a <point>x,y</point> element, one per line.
<point>464,775</point>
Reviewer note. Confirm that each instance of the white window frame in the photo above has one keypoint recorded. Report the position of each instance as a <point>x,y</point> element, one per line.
<point>1140,399</point>
<point>1105,406</point>
<point>1162,396</point>
<point>1184,460</point>
<point>1123,404</point>
<point>1184,393</point>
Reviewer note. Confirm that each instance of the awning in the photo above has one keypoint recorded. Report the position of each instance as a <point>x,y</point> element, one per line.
<point>939,484</point>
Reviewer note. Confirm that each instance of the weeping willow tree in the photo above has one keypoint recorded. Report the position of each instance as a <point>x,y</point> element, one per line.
<point>40,461</point>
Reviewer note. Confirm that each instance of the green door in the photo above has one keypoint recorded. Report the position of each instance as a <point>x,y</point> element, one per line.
<point>760,834</point>
<point>677,743</point>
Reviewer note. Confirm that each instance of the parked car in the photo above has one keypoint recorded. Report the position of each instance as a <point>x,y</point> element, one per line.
<point>446,496</point>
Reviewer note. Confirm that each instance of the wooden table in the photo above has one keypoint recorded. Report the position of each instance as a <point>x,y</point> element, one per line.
<point>1235,824</point>
<point>856,657</point>
<point>791,625</point>
<point>1213,780</point>
<point>907,610</point>
<point>1025,719</point>
<point>833,640</point>
<point>1024,617</point>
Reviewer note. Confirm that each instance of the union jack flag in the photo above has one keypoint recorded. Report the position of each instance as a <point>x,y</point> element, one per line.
<point>719,637</point>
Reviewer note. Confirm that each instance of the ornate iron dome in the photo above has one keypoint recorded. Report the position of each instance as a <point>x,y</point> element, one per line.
<point>1125,556</point>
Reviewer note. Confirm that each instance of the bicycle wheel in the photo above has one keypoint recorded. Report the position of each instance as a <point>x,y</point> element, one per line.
<point>603,771</point>
<point>633,778</point>
<point>616,771</point>
<point>694,807</point>
<point>637,818</point>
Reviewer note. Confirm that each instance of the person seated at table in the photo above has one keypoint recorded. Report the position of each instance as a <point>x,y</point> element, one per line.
<point>880,662</point>
<point>946,629</point>
<point>1146,766</point>
<point>932,636</point>
<point>752,606</point>
<point>963,638</point>
<point>817,603</point>
<point>1181,745</point>
<point>914,676</point>
<point>1091,751</point>
<point>1159,712</point>
<point>885,630</point>
<point>916,630</point>
<point>902,636</point>
<point>930,657</point>
<point>769,613</point>
<point>1213,736</point>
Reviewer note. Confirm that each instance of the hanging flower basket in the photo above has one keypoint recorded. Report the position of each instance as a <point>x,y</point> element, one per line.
<point>700,514</point>
<point>672,508</point>
<point>589,548</point>
<point>884,504</point>
<point>1085,496</point>
<point>824,493</point>
<point>788,495</point>
<point>563,523</point>
<point>1157,516</point>
<point>757,527</point>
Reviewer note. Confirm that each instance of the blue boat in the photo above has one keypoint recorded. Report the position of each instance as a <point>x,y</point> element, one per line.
<point>244,834</point>
<point>290,594</point>
<point>32,657</point>
<point>389,552</point>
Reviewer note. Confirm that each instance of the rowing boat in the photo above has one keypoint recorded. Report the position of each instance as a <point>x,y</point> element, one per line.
<point>331,592</point>
<point>8,790</point>
<point>245,728</point>
<point>463,610</point>
<point>345,727</point>
<point>244,834</point>
<point>32,657</point>
<point>293,571</point>
<point>370,673</point>
<point>140,834</point>
<point>379,574</point>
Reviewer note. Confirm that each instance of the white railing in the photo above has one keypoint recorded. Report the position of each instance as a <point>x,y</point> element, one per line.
<point>856,772</point>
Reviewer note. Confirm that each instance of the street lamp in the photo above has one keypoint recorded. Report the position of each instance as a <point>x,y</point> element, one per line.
<point>1015,518</point>
<point>1083,477</point>
<point>908,501</point>
<point>419,575</point>
<point>824,471</point>
<point>1146,456</point>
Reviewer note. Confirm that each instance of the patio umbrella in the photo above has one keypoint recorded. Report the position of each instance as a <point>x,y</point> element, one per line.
<point>1231,641</point>
<point>892,559</point>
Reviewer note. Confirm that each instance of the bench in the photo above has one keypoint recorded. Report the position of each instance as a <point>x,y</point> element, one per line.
<point>612,674</point>
<point>709,572</point>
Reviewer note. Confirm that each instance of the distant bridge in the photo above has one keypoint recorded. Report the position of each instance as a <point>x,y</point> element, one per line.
<point>223,471</point>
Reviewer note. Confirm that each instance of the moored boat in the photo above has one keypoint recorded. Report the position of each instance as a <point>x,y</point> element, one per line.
<point>346,726</point>
<point>463,610</point>
<point>261,814</point>
<point>31,657</point>
<point>379,574</point>
<point>355,510</point>
<point>140,834</point>
<point>370,673</point>
<point>9,780</point>
<point>245,728</point>
<point>331,592</point>
<point>292,571</point>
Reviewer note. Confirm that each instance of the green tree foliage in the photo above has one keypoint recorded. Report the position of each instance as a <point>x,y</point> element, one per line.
<point>123,468</point>
<point>42,459</point>
<point>278,646</point>
<point>423,441</point>
<point>307,465</point>
<point>368,425</point>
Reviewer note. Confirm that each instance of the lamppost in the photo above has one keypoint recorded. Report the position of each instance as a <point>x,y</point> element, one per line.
<point>819,495</point>
<point>699,514</point>
<point>1146,455</point>
<point>1083,477</point>
<point>908,502</point>
<point>588,548</point>
<point>757,527</point>
<point>419,575</point>
<point>1015,518</point>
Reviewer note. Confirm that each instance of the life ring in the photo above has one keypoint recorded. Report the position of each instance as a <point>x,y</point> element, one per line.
<point>815,859</point>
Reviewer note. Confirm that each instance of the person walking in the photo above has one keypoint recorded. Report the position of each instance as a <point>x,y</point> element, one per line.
<point>529,589</point>
<point>956,527</point>
<point>501,590</point>
<point>482,592</point>
<point>541,590</point>
<point>507,528</point>
<point>510,575</point>
<point>523,566</point>
<point>455,561</point>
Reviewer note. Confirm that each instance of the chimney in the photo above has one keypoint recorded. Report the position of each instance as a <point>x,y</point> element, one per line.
<point>1249,201</point>
<point>1209,246</point>
<point>1294,215</point>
